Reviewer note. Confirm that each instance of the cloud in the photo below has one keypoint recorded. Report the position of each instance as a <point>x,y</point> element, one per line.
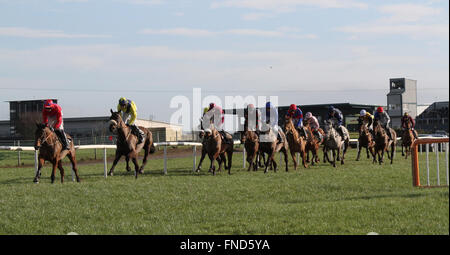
<point>287,5</point>
<point>36,33</point>
<point>280,32</point>
<point>440,31</point>
<point>408,12</point>
<point>412,20</point>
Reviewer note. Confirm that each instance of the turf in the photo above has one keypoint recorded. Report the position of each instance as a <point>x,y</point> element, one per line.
<point>352,199</point>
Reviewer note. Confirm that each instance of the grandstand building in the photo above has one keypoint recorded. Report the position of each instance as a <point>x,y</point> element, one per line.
<point>434,118</point>
<point>402,97</point>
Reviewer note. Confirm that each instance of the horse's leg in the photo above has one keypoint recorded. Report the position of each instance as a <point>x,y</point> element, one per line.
<point>334,157</point>
<point>392,152</point>
<point>116,159</point>
<point>294,158</point>
<point>201,160</point>
<point>61,170</point>
<point>325,155</point>
<point>285,158</point>
<point>307,155</point>
<point>54,166</point>
<point>73,160</point>
<point>403,145</point>
<point>269,161</point>
<point>134,159</point>
<point>144,161</point>
<point>38,172</point>
<point>230,159</point>
<point>127,160</point>
<point>302,154</point>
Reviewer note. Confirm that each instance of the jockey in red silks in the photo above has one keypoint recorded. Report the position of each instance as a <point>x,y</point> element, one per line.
<point>296,114</point>
<point>52,117</point>
<point>216,114</point>
<point>407,118</point>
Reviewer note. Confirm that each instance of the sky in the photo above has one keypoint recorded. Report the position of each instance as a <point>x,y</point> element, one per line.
<point>89,53</point>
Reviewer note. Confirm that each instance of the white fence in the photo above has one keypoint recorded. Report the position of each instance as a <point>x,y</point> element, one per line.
<point>105,147</point>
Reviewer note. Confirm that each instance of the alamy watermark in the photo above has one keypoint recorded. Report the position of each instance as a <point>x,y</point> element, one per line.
<point>189,113</point>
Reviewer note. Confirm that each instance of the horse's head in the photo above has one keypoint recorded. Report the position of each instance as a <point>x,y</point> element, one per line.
<point>114,121</point>
<point>40,135</point>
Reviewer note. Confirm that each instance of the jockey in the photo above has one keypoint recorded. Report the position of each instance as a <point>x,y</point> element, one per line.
<point>336,115</point>
<point>313,124</point>
<point>407,118</point>
<point>384,119</point>
<point>52,117</point>
<point>365,118</point>
<point>215,116</point>
<point>271,118</point>
<point>252,123</point>
<point>296,114</point>
<point>129,114</point>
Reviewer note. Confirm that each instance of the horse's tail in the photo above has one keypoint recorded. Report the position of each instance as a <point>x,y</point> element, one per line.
<point>152,148</point>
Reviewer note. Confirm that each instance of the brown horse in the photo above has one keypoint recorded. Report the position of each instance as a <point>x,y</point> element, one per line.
<point>50,149</point>
<point>270,145</point>
<point>334,142</point>
<point>296,142</point>
<point>127,144</point>
<point>383,143</point>
<point>251,144</point>
<point>365,140</point>
<point>407,140</point>
<point>217,150</point>
<point>312,144</point>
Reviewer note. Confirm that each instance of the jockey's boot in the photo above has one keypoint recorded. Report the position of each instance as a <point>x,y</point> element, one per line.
<point>225,137</point>
<point>62,138</point>
<point>388,132</point>
<point>414,133</point>
<point>279,138</point>
<point>141,136</point>
<point>318,135</point>
<point>341,133</point>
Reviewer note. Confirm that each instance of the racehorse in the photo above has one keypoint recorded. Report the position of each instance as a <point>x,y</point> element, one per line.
<point>295,141</point>
<point>334,142</point>
<point>312,144</point>
<point>127,144</point>
<point>270,145</point>
<point>365,140</point>
<point>251,144</point>
<point>217,150</point>
<point>407,140</point>
<point>383,143</point>
<point>50,149</point>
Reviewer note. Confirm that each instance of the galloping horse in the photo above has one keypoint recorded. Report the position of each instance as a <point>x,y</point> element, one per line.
<point>407,140</point>
<point>217,150</point>
<point>365,140</point>
<point>270,145</point>
<point>295,141</point>
<point>312,144</point>
<point>251,144</point>
<point>335,143</point>
<point>50,149</point>
<point>383,143</point>
<point>127,144</point>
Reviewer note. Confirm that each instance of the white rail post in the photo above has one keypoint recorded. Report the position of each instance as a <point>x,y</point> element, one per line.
<point>105,163</point>
<point>437,163</point>
<point>427,149</point>
<point>194,154</point>
<point>165,159</point>
<point>446,159</point>
<point>18,156</point>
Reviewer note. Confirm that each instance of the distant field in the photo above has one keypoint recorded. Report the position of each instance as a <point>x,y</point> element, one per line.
<point>356,198</point>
